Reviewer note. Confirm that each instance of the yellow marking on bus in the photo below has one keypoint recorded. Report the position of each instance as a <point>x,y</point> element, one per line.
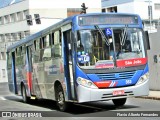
<point>33,98</point>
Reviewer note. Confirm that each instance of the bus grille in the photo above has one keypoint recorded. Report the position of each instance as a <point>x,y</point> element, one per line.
<point>116,76</point>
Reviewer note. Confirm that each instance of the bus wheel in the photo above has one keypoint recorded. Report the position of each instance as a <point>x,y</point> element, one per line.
<point>119,102</point>
<point>62,105</point>
<point>24,94</point>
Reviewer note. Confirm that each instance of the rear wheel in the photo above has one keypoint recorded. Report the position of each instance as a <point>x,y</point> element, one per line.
<point>61,103</point>
<point>24,94</point>
<point>119,102</point>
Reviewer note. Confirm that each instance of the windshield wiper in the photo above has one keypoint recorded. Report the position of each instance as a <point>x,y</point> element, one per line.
<point>102,34</point>
<point>124,36</point>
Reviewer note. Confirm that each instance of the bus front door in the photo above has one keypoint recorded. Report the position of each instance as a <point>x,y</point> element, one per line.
<point>68,64</point>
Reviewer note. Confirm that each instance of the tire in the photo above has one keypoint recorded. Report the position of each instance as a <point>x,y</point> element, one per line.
<point>60,99</point>
<point>119,102</point>
<point>24,95</point>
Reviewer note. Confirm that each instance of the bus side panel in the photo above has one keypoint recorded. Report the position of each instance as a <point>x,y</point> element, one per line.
<point>53,74</point>
<point>47,69</point>
<point>38,75</point>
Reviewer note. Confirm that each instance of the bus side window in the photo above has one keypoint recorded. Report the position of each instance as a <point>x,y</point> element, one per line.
<point>41,50</point>
<point>34,45</point>
<point>40,43</point>
<point>46,41</point>
<point>19,56</point>
<point>24,54</point>
<point>52,44</point>
<point>47,54</point>
<point>37,44</point>
<point>57,44</point>
<point>41,55</point>
<point>52,39</point>
<point>36,51</point>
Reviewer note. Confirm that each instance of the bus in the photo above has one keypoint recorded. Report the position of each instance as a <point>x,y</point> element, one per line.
<point>70,61</point>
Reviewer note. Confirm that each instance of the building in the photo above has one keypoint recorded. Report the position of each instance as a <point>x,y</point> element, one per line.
<point>14,25</point>
<point>154,61</point>
<point>149,10</point>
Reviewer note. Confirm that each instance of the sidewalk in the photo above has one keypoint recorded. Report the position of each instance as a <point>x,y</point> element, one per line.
<point>154,95</point>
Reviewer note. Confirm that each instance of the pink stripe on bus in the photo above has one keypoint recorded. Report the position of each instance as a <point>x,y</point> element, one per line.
<point>29,80</point>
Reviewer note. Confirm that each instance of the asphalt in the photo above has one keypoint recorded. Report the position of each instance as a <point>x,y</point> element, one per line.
<point>155,95</point>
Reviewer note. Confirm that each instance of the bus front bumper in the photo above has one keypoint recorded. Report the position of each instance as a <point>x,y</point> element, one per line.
<point>85,94</point>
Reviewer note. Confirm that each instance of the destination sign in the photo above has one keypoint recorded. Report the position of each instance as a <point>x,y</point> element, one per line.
<point>107,19</point>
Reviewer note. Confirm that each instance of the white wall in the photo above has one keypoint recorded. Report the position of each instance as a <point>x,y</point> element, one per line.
<point>57,10</point>
<point>134,6</point>
<point>64,3</point>
<point>14,8</point>
<point>3,66</point>
<point>122,8</point>
<point>154,68</point>
<point>48,17</point>
<point>10,27</point>
<point>141,8</point>
<point>137,7</point>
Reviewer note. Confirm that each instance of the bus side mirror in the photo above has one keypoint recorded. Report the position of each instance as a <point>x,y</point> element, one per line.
<point>155,59</point>
<point>147,40</point>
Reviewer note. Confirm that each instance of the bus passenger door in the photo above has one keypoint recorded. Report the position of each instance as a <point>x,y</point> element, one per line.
<point>68,66</point>
<point>13,74</point>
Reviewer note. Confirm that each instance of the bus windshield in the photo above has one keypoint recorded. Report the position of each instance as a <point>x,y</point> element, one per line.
<point>102,48</point>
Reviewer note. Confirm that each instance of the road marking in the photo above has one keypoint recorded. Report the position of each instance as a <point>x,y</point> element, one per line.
<point>2,98</point>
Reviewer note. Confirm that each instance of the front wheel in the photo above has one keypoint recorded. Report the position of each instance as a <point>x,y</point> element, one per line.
<point>61,103</point>
<point>119,102</point>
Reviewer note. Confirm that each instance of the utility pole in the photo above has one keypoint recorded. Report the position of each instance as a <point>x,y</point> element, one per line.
<point>150,21</point>
<point>150,13</point>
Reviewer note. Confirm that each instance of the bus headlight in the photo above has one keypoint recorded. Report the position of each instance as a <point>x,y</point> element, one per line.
<point>86,83</point>
<point>143,78</point>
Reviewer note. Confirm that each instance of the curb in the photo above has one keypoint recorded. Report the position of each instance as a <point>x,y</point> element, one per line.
<point>149,97</point>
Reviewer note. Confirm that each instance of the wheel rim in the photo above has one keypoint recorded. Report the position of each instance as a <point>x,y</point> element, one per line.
<point>60,98</point>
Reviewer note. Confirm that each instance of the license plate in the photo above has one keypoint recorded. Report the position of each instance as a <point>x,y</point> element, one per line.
<point>118,92</point>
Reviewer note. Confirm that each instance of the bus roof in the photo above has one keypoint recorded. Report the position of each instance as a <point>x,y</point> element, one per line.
<point>55,26</point>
